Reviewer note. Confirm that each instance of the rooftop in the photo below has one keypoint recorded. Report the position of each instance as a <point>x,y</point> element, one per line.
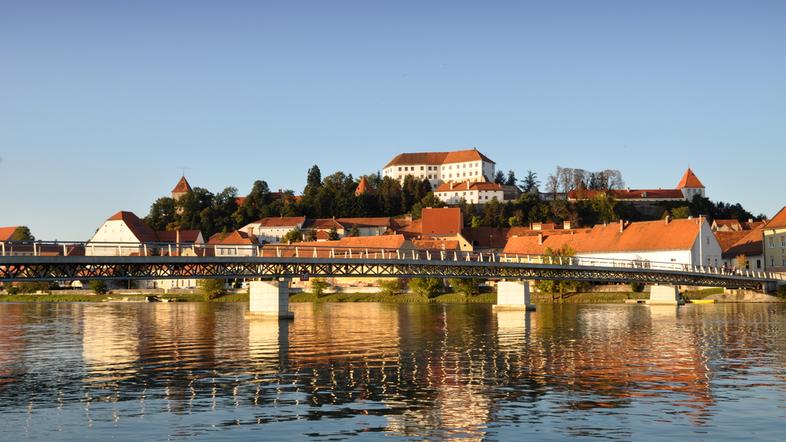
<point>456,156</point>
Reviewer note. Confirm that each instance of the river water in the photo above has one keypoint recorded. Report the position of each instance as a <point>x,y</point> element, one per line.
<point>377,371</point>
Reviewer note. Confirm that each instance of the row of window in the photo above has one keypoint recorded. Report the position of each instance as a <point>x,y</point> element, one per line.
<point>448,167</point>
<point>772,241</point>
<point>772,262</point>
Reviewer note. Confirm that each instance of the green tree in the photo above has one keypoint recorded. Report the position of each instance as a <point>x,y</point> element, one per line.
<point>681,212</point>
<point>333,234</point>
<point>22,233</point>
<point>162,214</point>
<point>425,286</point>
<point>318,286</point>
<point>354,231</point>
<point>390,287</point>
<point>294,235</point>
<point>212,288</point>
<point>530,183</point>
<point>499,178</point>
<point>511,179</point>
<point>559,289</point>
<point>468,287</point>
<point>98,287</point>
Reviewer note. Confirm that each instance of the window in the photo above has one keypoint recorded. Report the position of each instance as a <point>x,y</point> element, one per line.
<point>399,169</point>
<point>772,242</point>
<point>421,167</point>
<point>758,263</point>
<point>783,241</point>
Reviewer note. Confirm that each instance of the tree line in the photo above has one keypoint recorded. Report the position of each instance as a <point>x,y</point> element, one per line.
<point>334,196</point>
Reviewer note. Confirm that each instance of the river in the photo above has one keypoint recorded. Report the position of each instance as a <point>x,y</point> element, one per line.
<point>180,371</point>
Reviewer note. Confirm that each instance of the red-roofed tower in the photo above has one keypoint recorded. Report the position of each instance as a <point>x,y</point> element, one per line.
<point>690,185</point>
<point>181,188</point>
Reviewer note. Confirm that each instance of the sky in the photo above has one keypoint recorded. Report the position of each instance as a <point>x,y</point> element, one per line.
<point>103,104</point>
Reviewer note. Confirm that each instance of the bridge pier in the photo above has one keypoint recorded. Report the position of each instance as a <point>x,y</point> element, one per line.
<point>664,295</point>
<point>513,295</point>
<point>269,298</point>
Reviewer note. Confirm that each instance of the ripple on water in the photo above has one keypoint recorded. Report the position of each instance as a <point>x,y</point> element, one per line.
<point>179,371</point>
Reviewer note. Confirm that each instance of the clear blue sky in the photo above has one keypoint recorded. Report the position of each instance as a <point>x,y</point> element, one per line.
<point>103,102</point>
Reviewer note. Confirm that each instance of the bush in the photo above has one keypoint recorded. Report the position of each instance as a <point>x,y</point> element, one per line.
<point>98,287</point>
<point>468,287</point>
<point>782,291</point>
<point>425,286</point>
<point>318,286</point>
<point>211,288</point>
<point>390,287</point>
<point>637,287</point>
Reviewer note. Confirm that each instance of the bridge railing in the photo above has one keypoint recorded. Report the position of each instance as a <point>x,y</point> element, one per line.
<point>57,248</point>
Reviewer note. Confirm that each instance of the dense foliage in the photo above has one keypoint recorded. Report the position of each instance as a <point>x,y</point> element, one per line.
<point>334,196</point>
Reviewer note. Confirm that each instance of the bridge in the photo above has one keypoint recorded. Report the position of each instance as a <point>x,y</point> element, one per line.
<point>42,261</point>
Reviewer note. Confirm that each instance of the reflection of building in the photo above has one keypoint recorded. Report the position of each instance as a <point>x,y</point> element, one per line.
<point>110,342</point>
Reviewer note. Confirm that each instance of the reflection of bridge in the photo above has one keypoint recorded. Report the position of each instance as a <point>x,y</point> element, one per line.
<point>292,262</point>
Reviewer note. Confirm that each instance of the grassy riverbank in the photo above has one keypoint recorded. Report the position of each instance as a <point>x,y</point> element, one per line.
<point>27,297</point>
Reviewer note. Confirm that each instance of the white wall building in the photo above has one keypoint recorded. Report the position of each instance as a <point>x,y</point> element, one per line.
<point>438,167</point>
<point>272,229</point>
<point>471,192</point>
<point>683,241</point>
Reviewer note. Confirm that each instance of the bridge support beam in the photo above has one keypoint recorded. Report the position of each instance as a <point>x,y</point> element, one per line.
<point>269,298</point>
<point>664,295</point>
<point>513,295</point>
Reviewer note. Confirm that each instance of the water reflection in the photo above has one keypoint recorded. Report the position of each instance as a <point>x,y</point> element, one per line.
<point>414,371</point>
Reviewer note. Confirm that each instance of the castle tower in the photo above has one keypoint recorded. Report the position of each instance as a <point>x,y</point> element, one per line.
<point>181,188</point>
<point>690,185</point>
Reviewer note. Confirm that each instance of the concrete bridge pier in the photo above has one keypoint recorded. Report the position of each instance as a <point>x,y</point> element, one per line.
<point>269,299</point>
<point>513,295</point>
<point>665,295</point>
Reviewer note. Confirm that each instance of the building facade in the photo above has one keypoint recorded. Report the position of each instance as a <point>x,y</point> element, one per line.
<point>774,237</point>
<point>469,191</point>
<point>439,167</point>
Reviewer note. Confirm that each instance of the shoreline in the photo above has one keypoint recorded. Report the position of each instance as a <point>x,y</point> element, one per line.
<point>403,298</point>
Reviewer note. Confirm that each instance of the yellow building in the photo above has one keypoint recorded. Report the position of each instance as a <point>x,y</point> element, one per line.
<point>775,243</point>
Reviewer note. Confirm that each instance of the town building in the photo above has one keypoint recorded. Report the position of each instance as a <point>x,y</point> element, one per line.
<point>774,237</point>
<point>471,192</point>
<point>746,248</point>
<point>125,234</point>
<point>682,241</point>
<point>688,187</point>
<point>439,167</point>
<point>273,229</point>
<point>235,243</point>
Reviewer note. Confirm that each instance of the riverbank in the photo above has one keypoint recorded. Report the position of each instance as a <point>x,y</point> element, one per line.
<point>186,297</point>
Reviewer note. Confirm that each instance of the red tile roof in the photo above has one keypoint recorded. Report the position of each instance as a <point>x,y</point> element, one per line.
<point>629,194</point>
<point>464,186</point>
<point>360,242</point>
<point>282,221</point>
<point>141,231</point>
<point>778,221</point>
<point>442,221</point>
<point>235,238</point>
<point>457,156</point>
<point>486,237</point>
<point>727,239</point>
<point>362,187</point>
<point>690,180</point>
<point>186,236</point>
<point>635,237</point>
<point>7,232</point>
<point>182,186</point>
<point>322,224</point>
<point>752,243</point>
<point>365,222</point>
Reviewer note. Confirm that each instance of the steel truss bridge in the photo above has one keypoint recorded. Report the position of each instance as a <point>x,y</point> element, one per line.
<point>270,262</point>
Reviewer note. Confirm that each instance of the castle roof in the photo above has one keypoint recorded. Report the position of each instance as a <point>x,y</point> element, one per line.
<point>690,180</point>
<point>456,156</point>
<point>182,186</point>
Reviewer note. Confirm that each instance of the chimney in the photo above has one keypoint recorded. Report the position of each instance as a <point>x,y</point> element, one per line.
<point>540,239</point>
<point>451,185</point>
<point>668,218</point>
<point>622,226</point>
<point>566,224</point>
<point>750,220</point>
<point>467,185</point>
